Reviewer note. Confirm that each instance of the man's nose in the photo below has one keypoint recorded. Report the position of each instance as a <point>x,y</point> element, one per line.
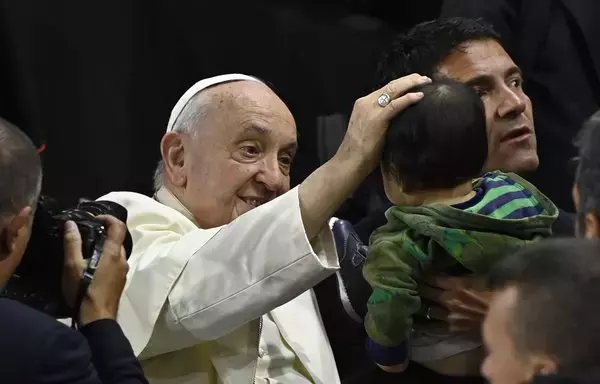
<point>512,105</point>
<point>271,175</point>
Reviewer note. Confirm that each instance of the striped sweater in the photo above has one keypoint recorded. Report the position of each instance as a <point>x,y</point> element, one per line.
<point>506,213</point>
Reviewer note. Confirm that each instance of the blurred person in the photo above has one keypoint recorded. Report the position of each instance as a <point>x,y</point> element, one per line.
<point>586,190</point>
<point>446,218</point>
<point>225,253</point>
<point>539,328</point>
<point>36,348</point>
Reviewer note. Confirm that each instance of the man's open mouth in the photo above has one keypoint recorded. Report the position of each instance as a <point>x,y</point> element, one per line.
<point>517,134</point>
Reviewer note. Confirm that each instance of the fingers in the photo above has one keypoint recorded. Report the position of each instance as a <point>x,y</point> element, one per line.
<point>468,311</point>
<point>401,103</point>
<point>457,324</point>
<point>74,264</point>
<point>457,321</point>
<point>398,87</point>
<point>72,246</point>
<point>438,313</point>
<point>448,283</point>
<point>431,294</point>
<point>116,228</point>
<point>123,257</point>
<point>480,300</point>
<point>454,309</point>
<point>113,251</point>
<point>471,302</point>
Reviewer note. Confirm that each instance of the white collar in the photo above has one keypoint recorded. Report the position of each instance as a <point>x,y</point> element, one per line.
<point>166,197</point>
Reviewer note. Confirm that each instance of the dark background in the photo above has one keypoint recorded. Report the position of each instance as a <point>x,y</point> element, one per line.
<point>95,81</point>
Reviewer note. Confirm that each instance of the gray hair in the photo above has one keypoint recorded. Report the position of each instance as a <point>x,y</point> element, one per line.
<point>187,122</point>
<point>20,171</point>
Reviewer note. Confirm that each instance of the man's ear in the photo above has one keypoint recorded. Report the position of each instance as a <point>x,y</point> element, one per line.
<point>172,150</point>
<point>592,226</point>
<point>15,234</point>
<point>541,366</point>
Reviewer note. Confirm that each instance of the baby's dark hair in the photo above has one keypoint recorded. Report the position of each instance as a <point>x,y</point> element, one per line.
<point>439,142</point>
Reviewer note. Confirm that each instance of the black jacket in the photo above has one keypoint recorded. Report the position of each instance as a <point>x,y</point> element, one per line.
<point>36,348</point>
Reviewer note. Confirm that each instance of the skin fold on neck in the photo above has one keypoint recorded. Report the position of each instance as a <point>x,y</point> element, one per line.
<point>457,195</point>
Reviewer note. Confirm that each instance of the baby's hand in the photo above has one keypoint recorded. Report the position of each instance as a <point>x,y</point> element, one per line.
<point>399,368</point>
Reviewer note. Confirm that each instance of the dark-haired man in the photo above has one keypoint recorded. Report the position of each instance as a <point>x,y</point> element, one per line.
<point>555,44</point>
<point>469,51</point>
<point>35,347</point>
<point>539,325</point>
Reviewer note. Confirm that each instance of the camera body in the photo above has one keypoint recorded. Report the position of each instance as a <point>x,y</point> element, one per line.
<point>37,281</point>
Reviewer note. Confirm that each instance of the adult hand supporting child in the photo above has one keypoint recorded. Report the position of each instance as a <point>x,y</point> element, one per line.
<point>455,301</point>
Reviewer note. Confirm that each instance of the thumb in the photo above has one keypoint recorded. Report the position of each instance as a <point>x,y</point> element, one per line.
<point>72,245</point>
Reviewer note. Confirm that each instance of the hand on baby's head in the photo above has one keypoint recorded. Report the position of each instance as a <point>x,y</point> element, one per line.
<point>436,144</point>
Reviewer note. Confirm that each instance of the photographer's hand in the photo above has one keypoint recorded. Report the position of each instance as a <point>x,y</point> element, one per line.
<point>104,293</point>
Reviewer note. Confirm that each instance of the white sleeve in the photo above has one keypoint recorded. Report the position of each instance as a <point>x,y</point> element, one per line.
<point>206,283</point>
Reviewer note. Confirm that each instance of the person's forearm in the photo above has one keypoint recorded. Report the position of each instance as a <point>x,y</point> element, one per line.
<point>324,191</point>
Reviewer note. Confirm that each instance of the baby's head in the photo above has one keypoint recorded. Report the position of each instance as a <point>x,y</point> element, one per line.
<point>438,144</point>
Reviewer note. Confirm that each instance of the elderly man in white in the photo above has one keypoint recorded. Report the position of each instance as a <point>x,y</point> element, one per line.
<point>225,254</point>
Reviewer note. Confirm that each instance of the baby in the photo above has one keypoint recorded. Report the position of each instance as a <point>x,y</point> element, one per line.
<point>446,219</point>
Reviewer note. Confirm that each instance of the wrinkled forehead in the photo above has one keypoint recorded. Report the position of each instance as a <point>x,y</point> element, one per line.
<point>477,58</point>
<point>240,106</point>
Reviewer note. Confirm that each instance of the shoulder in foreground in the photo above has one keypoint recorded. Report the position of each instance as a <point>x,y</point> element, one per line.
<point>146,212</point>
<point>24,322</point>
<point>137,204</point>
<point>128,199</point>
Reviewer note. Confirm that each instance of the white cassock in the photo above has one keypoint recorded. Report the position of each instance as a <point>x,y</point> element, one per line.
<point>231,304</point>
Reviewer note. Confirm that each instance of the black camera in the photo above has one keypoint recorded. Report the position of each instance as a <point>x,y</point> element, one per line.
<point>37,282</point>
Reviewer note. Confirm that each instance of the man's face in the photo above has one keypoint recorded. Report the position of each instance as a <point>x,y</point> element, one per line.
<point>489,69</point>
<point>504,364</point>
<point>241,155</point>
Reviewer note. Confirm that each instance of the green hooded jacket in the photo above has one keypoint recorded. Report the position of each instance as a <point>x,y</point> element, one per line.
<point>509,213</point>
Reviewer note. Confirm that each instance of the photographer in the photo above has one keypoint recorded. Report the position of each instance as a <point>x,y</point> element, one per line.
<point>35,347</point>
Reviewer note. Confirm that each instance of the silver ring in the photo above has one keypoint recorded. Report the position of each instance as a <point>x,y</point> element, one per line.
<point>428,314</point>
<point>384,100</point>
